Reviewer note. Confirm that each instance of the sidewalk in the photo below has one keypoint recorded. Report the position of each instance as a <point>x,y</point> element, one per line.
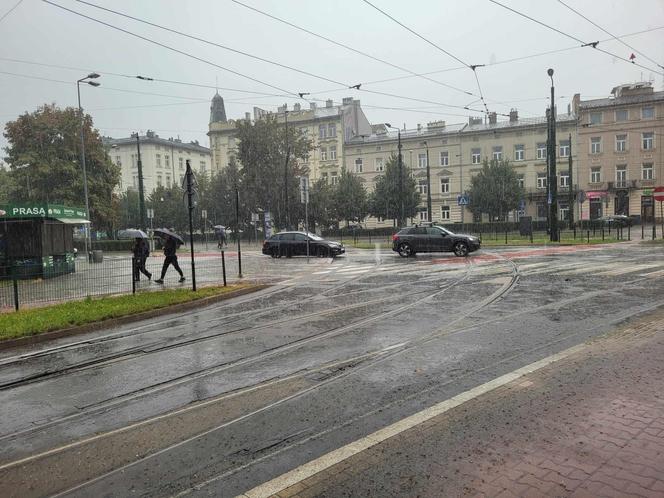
<point>590,425</point>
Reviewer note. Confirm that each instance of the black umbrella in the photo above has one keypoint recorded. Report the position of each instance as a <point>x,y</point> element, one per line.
<point>165,233</point>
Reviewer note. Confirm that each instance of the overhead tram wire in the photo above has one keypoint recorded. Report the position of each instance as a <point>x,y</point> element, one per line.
<point>168,47</point>
<point>10,10</point>
<point>354,50</point>
<point>472,67</point>
<point>224,68</point>
<point>583,43</point>
<point>613,37</point>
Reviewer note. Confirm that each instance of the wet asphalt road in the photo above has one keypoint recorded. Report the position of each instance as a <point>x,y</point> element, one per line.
<point>215,401</point>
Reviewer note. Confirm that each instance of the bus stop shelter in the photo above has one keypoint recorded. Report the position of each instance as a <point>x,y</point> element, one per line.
<point>37,240</point>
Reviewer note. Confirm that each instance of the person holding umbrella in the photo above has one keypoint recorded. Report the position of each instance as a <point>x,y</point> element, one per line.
<point>171,242</point>
<point>141,252</point>
<point>220,231</point>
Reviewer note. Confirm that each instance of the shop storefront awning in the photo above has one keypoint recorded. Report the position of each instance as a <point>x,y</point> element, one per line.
<point>64,214</point>
<point>73,221</point>
<point>596,194</point>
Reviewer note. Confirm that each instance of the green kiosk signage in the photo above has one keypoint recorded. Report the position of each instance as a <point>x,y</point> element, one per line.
<point>37,240</point>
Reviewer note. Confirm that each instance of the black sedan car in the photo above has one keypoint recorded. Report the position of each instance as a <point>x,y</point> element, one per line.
<point>295,244</point>
<point>432,238</point>
<point>617,220</point>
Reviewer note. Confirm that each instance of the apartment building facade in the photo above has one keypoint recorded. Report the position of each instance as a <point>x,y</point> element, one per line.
<point>163,161</point>
<point>329,127</point>
<point>621,157</point>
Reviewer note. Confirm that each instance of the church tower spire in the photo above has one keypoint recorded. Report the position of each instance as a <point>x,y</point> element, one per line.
<point>217,109</point>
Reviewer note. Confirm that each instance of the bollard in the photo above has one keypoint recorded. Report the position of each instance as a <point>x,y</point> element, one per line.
<point>15,284</point>
<point>133,275</point>
<point>594,229</point>
<point>588,236</point>
<point>574,233</point>
<point>223,265</point>
<point>629,233</point>
<point>654,235</point>
<point>643,228</point>
<point>505,237</point>
<point>603,232</point>
<point>531,236</point>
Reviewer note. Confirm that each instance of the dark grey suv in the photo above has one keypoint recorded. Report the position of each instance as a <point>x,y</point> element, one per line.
<point>432,238</point>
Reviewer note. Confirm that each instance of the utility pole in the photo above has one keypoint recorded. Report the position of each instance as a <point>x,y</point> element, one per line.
<point>428,183</point>
<point>571,186</point>
<point>141,195</point>
<point>553,186</point>
<point>286,170</point>
<point>237,232</point>
<point>190,205</point>
<point>401,220</point>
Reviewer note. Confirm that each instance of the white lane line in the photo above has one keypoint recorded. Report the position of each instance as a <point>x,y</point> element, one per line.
<point>321,272</point>
<point>326,461</point>
<point>630,269</point>
<point>653,274</point>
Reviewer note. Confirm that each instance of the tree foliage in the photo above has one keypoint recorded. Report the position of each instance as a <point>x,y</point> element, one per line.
<point>350,198</point>
<point>321,209</point>
<point>385,201</point>
<point>44,153</point>
<point>495,190</point>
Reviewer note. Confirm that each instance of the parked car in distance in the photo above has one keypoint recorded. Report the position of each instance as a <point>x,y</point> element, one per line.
<point>295,244</point>
<point>432,238</point>
<point>617,220</point>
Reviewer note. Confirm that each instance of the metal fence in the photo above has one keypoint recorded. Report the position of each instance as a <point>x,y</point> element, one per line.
<point>28,285</point>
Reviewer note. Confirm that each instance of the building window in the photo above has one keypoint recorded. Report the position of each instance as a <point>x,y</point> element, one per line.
<point>379,164</point>
<point>595,145</point>
<point>541,180</point>
<point>322,131</point>
<point>595,118</point>
<point>167,162</point>
<point>421,160</point>
<point>135,181</point>
<point>564,180</point>
<point>542,210</point>
<point>563,213</point>
<point>595,175</point>
<point>118,160</point>
<point>323,153</point>
<point>181,163</point>
<point>520,180</point>
<point>621,143</point>
<point>475,156</point>
<point>444,158</point>
<point>333,153</point>
<point>498,152</point>
<point>444,185</point>
<point>159,180</point>
<point>564,148</point>
<point>358,165</point>
<point>422,186</point>
<point>331,130</point>
<point>168,181</point>
<point>648,140</point>
<point>541,151</point>
<point>648,112</point>
<point>158,160</point>
<point>334,179</point>
<point>519,152</point>
<point>133,160</point>
<point>621,115</point>
<point>621,176</point>
<point>647,171</point>
<point>182,180</point>
<point>324,177</point>
<point>422,214</point>
<point>445,212</point>
<point>203,166</point>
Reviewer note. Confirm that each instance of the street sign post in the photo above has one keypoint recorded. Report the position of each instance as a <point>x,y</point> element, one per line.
<point>304,198</point>
<point>463,200</point>
<point>204,216</point>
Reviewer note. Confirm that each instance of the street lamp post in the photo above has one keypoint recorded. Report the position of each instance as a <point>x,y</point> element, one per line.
<point>85,174</point>
<point>402,217</point>
<point>553,185</point>
<point>428,183</point>
<point>141,188</point>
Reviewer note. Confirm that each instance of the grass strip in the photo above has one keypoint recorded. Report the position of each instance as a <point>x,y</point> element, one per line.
<point>27,322</point>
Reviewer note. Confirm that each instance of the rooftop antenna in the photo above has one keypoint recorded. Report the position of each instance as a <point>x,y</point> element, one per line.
<point>216,83</point>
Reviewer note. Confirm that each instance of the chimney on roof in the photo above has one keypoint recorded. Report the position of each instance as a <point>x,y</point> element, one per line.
<point>493,118</point>
<point>436,125</point>
<point>474,121</point>
<point>282,108</point>
<point>347,101</point>
<point>419,127</point>
<point>576,100</point>
<point>328,103</point>
<point>247,116</point>
<point>312,106</point>
<point>297,107</point>
<point>514,116</point>
<point>149,134</point>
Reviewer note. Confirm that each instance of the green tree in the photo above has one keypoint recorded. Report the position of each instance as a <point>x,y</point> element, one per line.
<point>128,210</point>
<point>7,186</point>
<point>321,212</point>
<point>350,198</point>
<point>220,199</point>
<point>385,201</point>
<point>495,190</point>
<point>170,208</point>
<point>262,153</point>
<point>44,153</point>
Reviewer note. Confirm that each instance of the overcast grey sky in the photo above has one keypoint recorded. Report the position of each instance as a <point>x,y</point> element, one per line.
<point>474,31</point>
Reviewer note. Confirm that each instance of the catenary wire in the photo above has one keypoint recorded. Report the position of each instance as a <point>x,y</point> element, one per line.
<point>10,10</point>
<point>347,47</point>
<point>613,37</point>
<point>583,44</point>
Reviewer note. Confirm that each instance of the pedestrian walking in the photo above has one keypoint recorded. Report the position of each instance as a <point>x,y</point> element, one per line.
<point>141,252</point>
<point>221,236</point>
<point>170,249</point>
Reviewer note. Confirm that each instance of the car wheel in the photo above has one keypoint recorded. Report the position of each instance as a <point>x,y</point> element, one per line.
<point>461,249</point>
<point>405,250</point>
<point>275,252</point>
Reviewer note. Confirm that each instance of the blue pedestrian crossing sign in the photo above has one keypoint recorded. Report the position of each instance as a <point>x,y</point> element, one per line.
<point>463,200</point>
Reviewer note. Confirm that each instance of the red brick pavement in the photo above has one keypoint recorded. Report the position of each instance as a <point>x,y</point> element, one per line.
<point>591,425</point>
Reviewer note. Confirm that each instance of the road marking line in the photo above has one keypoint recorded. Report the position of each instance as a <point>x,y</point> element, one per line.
<point>630,269</point>
<point>653,274</point>
<point>332,458</point>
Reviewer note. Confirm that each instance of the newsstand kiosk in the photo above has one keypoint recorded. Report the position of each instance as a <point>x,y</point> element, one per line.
<point>37,240</point>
